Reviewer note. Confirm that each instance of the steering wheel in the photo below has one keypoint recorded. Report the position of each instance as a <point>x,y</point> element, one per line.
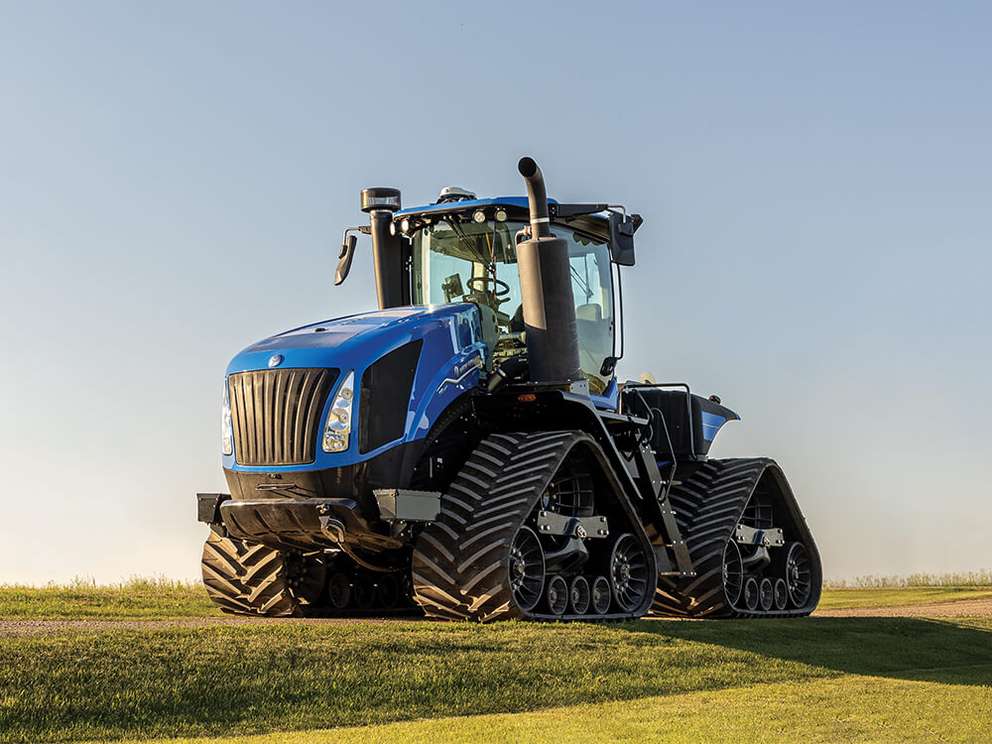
<point>500,288</point>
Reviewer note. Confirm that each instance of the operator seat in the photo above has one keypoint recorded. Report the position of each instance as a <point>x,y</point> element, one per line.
<point>517,321</point>
<point>595,338</point>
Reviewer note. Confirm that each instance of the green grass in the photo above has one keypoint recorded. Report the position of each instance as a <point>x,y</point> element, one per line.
<point>135,599</point>
<point>237,680</point>
<point>845,709</point>
<point>836,599</point>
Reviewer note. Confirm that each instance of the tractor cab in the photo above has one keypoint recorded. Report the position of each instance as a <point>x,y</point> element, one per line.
<point>467,252</point>
<point>462,249</point>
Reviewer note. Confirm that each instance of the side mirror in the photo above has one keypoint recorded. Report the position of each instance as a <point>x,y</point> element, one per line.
<point>345,258</point>
<point>622,229</point>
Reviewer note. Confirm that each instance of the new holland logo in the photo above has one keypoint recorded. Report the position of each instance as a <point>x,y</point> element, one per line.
<point>275,360</point>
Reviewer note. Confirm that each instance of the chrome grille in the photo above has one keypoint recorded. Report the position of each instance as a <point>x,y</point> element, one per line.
<point>276,413</point>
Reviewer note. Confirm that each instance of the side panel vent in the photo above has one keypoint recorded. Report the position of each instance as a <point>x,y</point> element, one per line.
<point>386,388</point>
<point>276,414</point>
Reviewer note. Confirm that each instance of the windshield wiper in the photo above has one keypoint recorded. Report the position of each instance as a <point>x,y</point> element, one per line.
<point>468,243</point>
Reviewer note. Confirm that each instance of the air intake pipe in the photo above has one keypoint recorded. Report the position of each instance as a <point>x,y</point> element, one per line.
<point>387,247</point>
<point>546,291</point>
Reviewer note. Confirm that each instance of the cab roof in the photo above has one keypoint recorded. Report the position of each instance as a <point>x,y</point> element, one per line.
<point>517,209</point>
<point>460,205</point>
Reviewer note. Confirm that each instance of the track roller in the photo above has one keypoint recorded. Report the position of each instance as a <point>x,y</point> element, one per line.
<point>781,594</point>
<point>339,590</point>
<point>387,592</point>
<point>579,595</point>
<point>766,594</point>
<point>752,594</point>
<point>601,595</point>
<point>557,595</point>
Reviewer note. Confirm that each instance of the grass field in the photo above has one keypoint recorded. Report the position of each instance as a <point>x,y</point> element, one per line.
<point>781,712</point>
<point>822,679</point>
<point>964,578</point>
<point>137,599</point>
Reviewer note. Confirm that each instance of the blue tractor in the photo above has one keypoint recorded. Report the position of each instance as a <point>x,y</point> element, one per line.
<point>467,450</point>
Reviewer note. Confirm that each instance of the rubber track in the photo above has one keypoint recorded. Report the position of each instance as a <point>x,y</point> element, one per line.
<point>460,567</point>
<point>247,578</point>
<point>708,506</point>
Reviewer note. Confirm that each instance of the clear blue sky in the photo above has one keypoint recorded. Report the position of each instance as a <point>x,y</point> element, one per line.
<point>816,184</point>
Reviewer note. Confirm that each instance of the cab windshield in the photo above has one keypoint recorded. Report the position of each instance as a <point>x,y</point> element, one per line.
<point>456,261</point>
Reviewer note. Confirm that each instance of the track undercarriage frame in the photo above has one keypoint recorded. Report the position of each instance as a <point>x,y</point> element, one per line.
<point>578,523</point>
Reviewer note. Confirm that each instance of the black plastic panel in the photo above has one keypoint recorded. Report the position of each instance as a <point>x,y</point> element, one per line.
<point>386,387</point>
<point>683,414</point>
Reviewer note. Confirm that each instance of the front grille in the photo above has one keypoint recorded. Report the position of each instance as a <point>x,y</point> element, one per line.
<point>275,414</point>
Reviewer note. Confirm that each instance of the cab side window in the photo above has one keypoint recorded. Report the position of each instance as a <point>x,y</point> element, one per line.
<point>589,262</point>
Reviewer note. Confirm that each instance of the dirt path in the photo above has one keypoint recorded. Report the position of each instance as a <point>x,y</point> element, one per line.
<point>44,627</point>
<point>961,608</point>
<point>954,608</point>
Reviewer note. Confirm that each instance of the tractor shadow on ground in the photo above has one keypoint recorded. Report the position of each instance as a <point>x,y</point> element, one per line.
<point>900,648</point>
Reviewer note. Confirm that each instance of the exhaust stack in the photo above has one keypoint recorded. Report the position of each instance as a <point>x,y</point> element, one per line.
<point>546,291</point>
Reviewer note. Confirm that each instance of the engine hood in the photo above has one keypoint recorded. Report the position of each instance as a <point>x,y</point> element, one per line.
<point>450,359</point>
<point>355,341</point>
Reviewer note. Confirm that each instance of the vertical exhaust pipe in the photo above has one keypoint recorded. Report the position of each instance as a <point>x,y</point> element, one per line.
<point>546,291</point>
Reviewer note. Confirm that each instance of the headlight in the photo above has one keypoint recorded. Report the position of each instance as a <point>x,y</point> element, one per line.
<point>226,432</point>
<point>337,430</point>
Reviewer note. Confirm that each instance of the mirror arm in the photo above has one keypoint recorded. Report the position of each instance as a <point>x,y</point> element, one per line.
<point>575,210</point>
<point>347,254</point>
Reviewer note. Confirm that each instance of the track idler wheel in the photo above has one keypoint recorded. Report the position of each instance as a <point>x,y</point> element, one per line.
<point>526,569</point>
<point>629,573</point>
<point>733,573</point>
<point>798,574</point>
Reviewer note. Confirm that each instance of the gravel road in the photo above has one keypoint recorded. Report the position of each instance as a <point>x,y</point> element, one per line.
<point>960,608</point>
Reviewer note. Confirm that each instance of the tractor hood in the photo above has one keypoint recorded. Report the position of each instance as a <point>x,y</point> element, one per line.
<point>409,364</point>
<point>356,341</point>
